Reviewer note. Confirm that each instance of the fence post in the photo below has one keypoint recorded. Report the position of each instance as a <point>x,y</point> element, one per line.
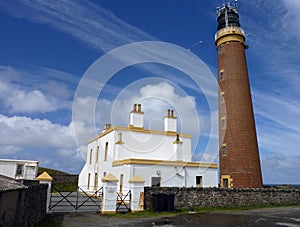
<point>45,178</point>
<point>109,194</point>
<point>137,193</point>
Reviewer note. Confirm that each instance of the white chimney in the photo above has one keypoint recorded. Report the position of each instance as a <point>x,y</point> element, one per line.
<point>177,148</point>
<point>170,122</point>
<point>106,126</point>
<point>136,117</point>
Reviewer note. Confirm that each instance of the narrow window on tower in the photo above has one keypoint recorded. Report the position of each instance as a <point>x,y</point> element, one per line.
<point>96,181</point>
<point>223,149</point>
<point>223,122</point>
<point>121,183</point>
<point>222,74</point>
<point>91,155</point>
<point>89,180</point>
<point>220,49</point>
<point>106,150</point>
<point>222,97</point>
<point>97,154</point>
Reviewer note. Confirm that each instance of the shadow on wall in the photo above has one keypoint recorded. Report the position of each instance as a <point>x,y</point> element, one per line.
<point>21,204</point>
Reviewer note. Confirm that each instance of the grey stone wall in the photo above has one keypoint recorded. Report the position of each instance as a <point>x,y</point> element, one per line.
<point>23,207</point>
<point>216,197</point>
<point>64,178</point>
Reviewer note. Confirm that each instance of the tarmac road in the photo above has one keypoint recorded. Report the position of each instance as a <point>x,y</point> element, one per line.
<point>282,216</point>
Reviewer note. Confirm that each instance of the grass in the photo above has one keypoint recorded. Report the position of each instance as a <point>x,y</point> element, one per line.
<point>63,187</point>
<point>50,171</point>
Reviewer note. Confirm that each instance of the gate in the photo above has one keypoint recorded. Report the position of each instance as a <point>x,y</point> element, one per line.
<point>76,200</point>
<point>123,202</point>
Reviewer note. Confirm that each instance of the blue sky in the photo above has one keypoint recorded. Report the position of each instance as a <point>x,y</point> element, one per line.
<point>47,46</point>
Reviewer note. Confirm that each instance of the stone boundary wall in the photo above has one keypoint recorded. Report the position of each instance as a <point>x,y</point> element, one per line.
<point>217,197</point>
<point>64,178</point>
<point>23,207</point>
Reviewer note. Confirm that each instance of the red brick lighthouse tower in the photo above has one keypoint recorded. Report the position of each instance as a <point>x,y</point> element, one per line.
<point>238,154</point>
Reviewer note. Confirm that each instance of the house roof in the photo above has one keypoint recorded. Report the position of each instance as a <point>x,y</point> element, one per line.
<point>110,178</point>
<point>136,179</point>
<point>16,160</point>
<point>8,184</point>
<point>44,177</point>
<point>141,130</point>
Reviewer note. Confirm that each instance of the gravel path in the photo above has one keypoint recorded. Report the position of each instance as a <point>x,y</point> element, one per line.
<point>283,216</point>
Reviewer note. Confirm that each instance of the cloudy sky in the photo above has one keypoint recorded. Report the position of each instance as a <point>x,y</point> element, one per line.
<point>47,47</point>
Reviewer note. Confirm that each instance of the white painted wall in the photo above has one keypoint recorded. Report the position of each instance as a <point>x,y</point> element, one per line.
<point>172,176</point>
<point>151,146</point>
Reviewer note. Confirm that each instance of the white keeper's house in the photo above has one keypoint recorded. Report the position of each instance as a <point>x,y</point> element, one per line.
<point>161,158</point>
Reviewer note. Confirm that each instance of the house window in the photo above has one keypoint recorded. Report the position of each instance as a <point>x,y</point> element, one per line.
<point>89,179</point>
<point>19,171</point>
<point>91,155</point>
<point>121,183</point>
<point>199,182</point>
<point>106,150</point>
<point>96,181</point>
<point>224,150</point>
<point>222,75</point>
<point>104,174</point>
<point>222,97</point>
<point>223,122</point>
<point>155,181</point>
<point>97,154</point>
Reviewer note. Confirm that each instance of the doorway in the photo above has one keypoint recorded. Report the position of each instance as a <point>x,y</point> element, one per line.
<point>199,182</point>
<point>155,181</point>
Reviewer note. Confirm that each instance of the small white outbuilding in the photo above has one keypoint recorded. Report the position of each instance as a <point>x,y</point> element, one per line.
<point>161,158</point>
<point>19,169</point>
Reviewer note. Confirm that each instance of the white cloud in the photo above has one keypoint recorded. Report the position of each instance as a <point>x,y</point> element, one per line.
<point>86,21</point>
<point>281,168</point>
<point>284,112</point>
<point>274,75</point>
<point>57,89</point>
<point>291,20</point>
<point>155,100</point>
<point>53,145</point>
<point>28,102</point>
<point>9,149</point>
<point>28,132</point>
<point>20,98</point>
